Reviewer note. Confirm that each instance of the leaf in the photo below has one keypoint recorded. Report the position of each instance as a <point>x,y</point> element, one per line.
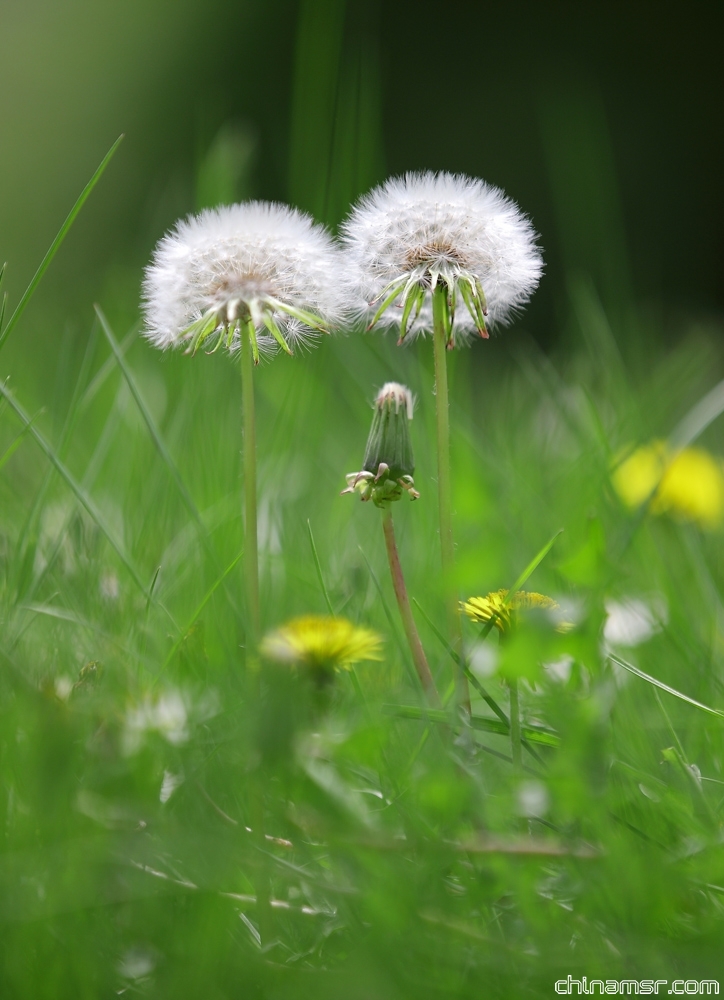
<point>318,565</point>
<point>55,245</point>
<point>77,489</point>
<point>534,734</point>
<point>664,687</point>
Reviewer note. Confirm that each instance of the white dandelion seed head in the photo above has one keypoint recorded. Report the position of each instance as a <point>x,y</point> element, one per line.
<point>447,227</point>
<point>256,260</point>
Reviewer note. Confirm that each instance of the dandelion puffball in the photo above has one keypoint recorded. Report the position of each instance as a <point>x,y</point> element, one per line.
<point>258,264</point>
<point>417,231</point>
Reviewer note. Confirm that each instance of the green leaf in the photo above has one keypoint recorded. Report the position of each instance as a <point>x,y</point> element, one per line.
<point>533,734</point>
<point>664,687</point>
<point>55,245</point>
<point>318,566</point>
<point>77,489</point>
<point>532,565</point>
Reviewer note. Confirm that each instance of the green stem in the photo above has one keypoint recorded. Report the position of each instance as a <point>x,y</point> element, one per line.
<point>253,626</point>
<point>408,621</point>
<point>515,744</point>
<point>251,547</point>
<point>440,341</point>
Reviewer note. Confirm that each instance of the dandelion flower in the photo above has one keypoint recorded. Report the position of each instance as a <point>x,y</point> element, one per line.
<point>260,264</point>
<point>388,463</point>
<point>687,484</point>
<point>322,644</point>
<point>419,231</point>
<point>506,616</point>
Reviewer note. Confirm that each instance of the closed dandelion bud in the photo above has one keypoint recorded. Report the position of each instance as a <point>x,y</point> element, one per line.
<point>388,464</point>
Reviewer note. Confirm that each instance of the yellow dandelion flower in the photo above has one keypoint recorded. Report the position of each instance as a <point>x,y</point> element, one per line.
<point>687,484</point>
<point>322,643</point>
<point>492,608</point>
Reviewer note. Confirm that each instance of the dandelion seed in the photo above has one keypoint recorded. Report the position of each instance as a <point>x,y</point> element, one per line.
<point>260,264</point>
<point>686,484</point>
<point>506,616</point>
<point>423,230</point>
<point>322,644</point>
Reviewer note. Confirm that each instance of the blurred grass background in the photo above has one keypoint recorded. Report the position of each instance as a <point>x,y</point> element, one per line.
<point>602,121</point>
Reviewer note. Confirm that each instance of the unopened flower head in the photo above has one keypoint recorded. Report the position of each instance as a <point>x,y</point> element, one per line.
<point>388,465</point>
<point>505,613</point>
<point>423,231</point>
<point>687,484</point>
<point>260,264</point>
<point>322,644</point>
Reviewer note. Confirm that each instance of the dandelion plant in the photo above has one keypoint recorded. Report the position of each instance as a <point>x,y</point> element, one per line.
<point>447,255</point>
<point>386,476</point>
<point>253,278</point>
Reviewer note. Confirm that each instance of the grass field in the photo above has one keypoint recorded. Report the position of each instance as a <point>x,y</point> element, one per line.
<point>403,853</point>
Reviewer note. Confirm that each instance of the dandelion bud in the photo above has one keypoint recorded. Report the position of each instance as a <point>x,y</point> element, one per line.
<point>388,464</point>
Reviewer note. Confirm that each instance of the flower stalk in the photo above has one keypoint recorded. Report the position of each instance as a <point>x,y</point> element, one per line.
<point>403,602</point>
<point>441,343</point>
<point>251,594</point>
<point>251,543</point>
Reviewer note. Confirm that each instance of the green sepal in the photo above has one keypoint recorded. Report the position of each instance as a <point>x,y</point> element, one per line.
<point>414,297</point>
<point>387,302</point>
<point>198,331</point>
<point>268,321</point>
<point>389,441</point>
<point>308,318</point>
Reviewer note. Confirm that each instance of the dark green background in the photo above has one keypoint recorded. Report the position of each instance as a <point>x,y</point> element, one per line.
<point>588,114</point>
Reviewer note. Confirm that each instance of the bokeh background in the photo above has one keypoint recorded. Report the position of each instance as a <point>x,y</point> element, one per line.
<point>127,735</point>
<point>602,119</point>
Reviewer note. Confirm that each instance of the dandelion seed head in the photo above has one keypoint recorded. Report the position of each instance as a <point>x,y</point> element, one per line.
<point>426,227</point>
<point>252,261</point>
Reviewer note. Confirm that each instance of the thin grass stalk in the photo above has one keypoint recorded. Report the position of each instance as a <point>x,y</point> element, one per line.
<point>516,747</point>
<point>403,602</point>
<point>447,547</point>
<point>253,623</point>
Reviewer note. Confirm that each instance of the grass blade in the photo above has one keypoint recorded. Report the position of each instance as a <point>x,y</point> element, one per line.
<point>532,565</point>
<point>160,444</point>
<point>664,687</point>
<point>55,245</point>
<point>209,594</point>
<point>471,676</point>
<point>77,489</point>
<point>317,563</point>
<point>14,445</point>
<point>534,734</point>
<point>148,419</point>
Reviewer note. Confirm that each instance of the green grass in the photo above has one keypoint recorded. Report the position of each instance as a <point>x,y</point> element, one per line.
<point>399,860</point>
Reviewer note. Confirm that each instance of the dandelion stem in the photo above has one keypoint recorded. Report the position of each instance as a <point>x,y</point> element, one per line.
<point>251,552</point>
<point>440,341</point>
<point>515,744</point>
<point>251,587</point>
<point>408,621</point>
